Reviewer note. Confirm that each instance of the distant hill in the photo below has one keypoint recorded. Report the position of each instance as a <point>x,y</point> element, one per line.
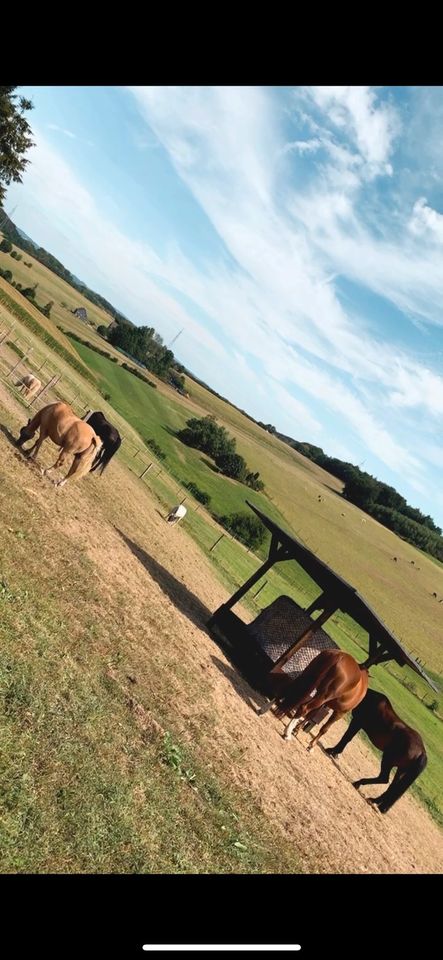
<point>25,237</point>
<point>20,239</point>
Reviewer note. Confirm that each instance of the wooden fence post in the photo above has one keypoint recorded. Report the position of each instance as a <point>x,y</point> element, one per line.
<point>216,542</point>
<point>145,471</point>
<point>254,595</point>
<point>50,383</point>
<point>22,360</point>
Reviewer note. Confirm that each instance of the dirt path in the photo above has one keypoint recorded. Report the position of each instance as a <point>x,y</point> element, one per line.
<point>157,590</point>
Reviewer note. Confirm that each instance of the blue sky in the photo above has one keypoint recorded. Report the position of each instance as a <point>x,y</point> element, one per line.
<point>296,234</point>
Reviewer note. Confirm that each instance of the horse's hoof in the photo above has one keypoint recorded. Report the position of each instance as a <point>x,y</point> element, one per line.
<point>356,784</point>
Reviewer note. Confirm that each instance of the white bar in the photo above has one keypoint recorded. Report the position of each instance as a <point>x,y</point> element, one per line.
<point>222,947</point>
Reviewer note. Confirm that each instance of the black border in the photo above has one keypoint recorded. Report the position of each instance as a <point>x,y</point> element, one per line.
<point>113,916</point>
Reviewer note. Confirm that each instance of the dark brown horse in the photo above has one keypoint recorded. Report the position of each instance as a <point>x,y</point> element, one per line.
<point>333,679</point>
<point>109,436</point>
<point>402,747</point>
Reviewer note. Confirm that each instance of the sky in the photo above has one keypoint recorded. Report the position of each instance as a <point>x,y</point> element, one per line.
<point>295,235</point>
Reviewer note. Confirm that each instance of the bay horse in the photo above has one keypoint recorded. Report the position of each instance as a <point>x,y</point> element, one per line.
<point>29,385</point>
<point>58,422</point>
<point>110,437</point>
<point>402,747</point>
<point>333,679</point>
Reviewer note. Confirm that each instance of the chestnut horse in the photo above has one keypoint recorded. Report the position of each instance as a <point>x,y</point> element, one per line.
<point>333,679</point>
<point>402,747</point>
<point>58,422</point>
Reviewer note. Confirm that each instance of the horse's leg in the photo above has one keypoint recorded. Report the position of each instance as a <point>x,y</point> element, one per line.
<point>58,463</point>
<point>76,465</point>
<point>295,723</point>
<point>394,791</point>
<point>351,732</point>
<point>383,777</point>
<point>336,715</point>
<point>33,451</point>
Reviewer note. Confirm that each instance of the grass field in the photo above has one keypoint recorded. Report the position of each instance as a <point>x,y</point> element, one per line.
<point>360,552</point>
<point>37,679</point>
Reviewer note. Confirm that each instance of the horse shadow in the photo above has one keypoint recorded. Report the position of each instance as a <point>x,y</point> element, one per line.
<point>9,436</point>
<point>243,689</point>
<point>182,598</point>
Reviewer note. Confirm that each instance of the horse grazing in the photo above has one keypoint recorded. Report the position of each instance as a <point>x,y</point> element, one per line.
<point>110,437</point>
<point>402,747</point>
<point>58,422</point>
<point>29,385</point>
<point>177,514</point>
<point>333,679</point>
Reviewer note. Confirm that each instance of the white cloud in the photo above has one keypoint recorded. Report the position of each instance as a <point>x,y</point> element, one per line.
<point>426,222</point>
<point>372,126</point>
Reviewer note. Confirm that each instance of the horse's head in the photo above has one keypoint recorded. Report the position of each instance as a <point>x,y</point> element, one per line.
<point>26,433</point>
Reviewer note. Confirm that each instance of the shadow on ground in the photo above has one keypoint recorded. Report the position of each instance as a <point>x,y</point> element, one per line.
<point>178,593</point>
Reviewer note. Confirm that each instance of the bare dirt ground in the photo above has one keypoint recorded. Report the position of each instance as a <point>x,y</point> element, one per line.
<point>157,590</point>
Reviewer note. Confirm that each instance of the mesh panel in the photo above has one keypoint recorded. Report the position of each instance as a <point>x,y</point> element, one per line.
<point>278,627</point>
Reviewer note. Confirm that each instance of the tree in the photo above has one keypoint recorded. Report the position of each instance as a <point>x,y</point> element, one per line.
<point>253,480</point>
<point>47,309</point>
<point>232,465</point>
<point>30,292</point>
<point>15,137</point>
<point>246,528</point>
<point>361,489</point>
<point>102,330</point>
<point>204,434</point>
<point>6,245</point>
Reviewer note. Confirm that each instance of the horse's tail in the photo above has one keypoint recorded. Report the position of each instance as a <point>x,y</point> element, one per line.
<point>302,686</point>
<point>84,459</point>
<point>103,456</point>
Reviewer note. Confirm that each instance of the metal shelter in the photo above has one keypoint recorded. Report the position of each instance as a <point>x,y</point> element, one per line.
<point>285,637</point>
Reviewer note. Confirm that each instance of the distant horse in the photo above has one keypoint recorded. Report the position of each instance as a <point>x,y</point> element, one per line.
<point>402,747</point>
<point>339,682</point>
<point>176,514</point>
<point>58,422</point>
<point>110,438</point>
<point>29,385</point>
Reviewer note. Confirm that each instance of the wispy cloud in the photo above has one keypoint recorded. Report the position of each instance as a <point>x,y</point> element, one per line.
<point>68,133</point>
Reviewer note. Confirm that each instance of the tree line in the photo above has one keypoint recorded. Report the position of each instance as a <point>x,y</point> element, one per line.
<point>145,345</point>
<point>380,500</point>
<point>206,435</point>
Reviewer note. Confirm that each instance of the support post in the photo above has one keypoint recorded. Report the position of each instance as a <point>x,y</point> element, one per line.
<point>276,553</point>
